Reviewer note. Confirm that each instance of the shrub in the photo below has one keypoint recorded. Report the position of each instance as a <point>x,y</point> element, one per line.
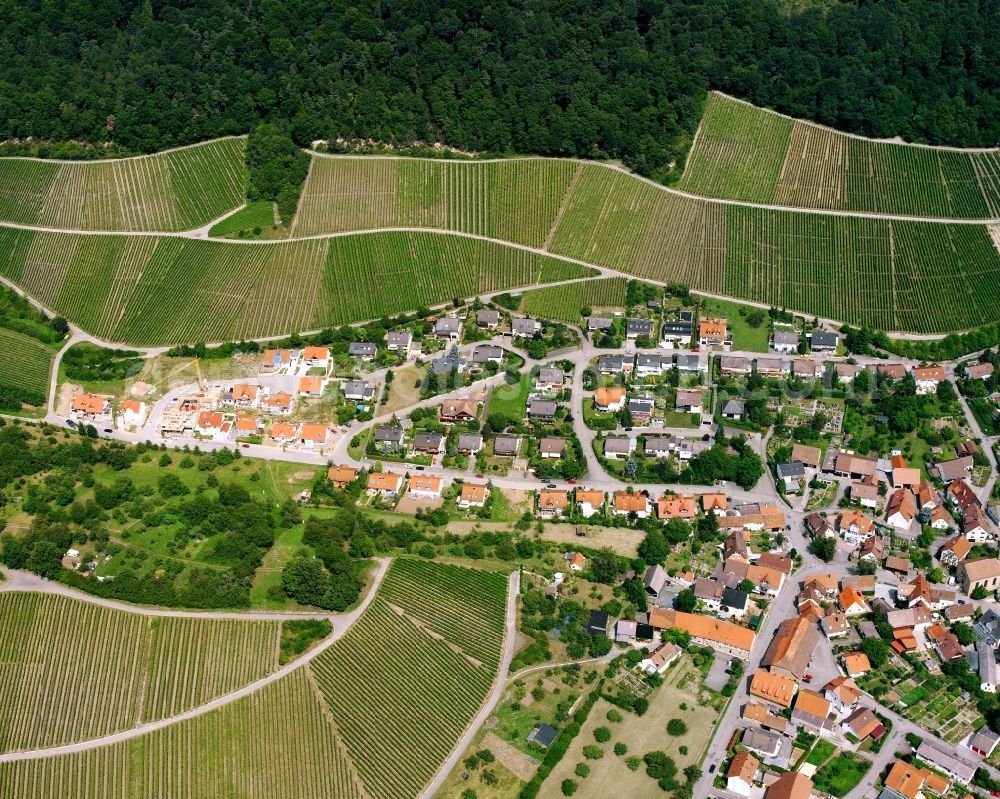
<point>620,749</point>
<point>614,716</point>
<point>633,763</point>
<point>602,735</point>
<point>568,787</point>
<point>676,727</point>
<point>592,752</point>
<point>582,770</point>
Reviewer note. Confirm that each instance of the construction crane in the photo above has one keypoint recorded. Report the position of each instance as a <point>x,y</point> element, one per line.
<point>197,369</point>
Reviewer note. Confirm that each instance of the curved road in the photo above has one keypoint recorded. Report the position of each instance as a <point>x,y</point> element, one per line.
<point>341,624</point>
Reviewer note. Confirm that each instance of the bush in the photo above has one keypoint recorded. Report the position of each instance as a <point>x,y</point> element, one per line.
<point>582,770</point>
<point>614,716</point>
<point>620,749</point>
<point>602,735</point>
<point>568,787</point>
<point>676,727</point>
<point>633,763</point>
<point>592,752</point>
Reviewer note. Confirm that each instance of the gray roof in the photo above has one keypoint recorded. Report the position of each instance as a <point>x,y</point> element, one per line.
<point>761,741</point>
<point>791,469</point>
<point>399,338</point>
<point>652,360</point>
<point>486,353</point>
<point>931,752</point>
<point>658,443</point>
<point>543,735</point>
<point>638,327</point>
<point>785,337</point>
<point>734,598</point>
<point>686,399</point>
<point>427,440</point>
<point>470,441</point>
<point>550,375</point>
<point>654,579</point>
<point>506,445</point>
<point>447,324</point>
<point>735,363</point>
<point>641,405</point>
<point>541,408</point>
<point>688,363</point>
<point>613,363</point>
<point>675,330</point>
<point>358,388</point>
<point>822,338</point>
<point>733,407</point>
<point>446,364</point>
<point>391,434</point>
<point>599,322</point>
<point>362,349</point>
<point>551,444</point>
<point>988,627</point>
<point>619,445</point>
<point>525,327</point>
<point>487,316</point>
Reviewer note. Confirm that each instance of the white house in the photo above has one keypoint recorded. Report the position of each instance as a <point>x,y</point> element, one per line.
<point>659,660</point>
<point>133,414</point>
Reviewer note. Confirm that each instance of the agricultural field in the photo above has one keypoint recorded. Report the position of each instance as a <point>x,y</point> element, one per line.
<point>742,152</point>
<point>176,190</point>
<point>25,363</point>
<point>148,290</point>
<point>564,303</point>
<point>58,656</point>
<point>411,674</point>
<point>257,213</point>
<point>516,200</point>
<point>232,751</point>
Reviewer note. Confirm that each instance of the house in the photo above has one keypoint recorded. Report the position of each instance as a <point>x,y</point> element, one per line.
<point>458,410</point>
<point>275,361</point>
<point>542,410</point>
<point>209,423</point>
<point>855,664</point>
<point>506,446</point>
<point>132,413</point>
<point>872,549</point>
<point>279,403</point>
<point>610,399</point>
<point>677,507</point>
<point>847,464</point>
<point>773,688</point>
<point>709,592</point>
<point>429,442</point>
<point>956,469</point>
<point>907,781</point>
<point>855,527</point>
<point>811,709</point>
<point>487,353</point>
<point>625,631</point>
<point>364,350</point>
<point>714,502</point>
<point>734,365</point>
<point>625,504</point>
<point>865,493</point>
<point>785,341</point>
<point>772,367</point>
<point>807,369</point>
<point>659,446</point>
<point>284,432</point>
<point>928,377</point>
<point>659,660</point>
<point>791,649</point>
<point>920,591</point>
<point>590,502</point>
<point>978,371</point>
<point>983,742</point>
<point>954,550</point>
<point>613,364</point>
<point>691,364</point>
<point>469,443</point>
<point>863,723</point>
<point>341,476</point>
<point>399,341</point>
<point>732,409</point>
<point>705,631</point>
<point>314,435</point>
<point>790,785</point>
<point>641,408</point>
<point>904,476</point>
<point>927,497</point>
<point>733,603</point>
<point>989,672</point>
<point>961,495</point>
<point>847,371</point>
<point>894,371</point>
<point>551,379</point>
<point>713,333</point>
<point>387,438</point>
<point>843,694</point>
<point>384,483</point>
<point>242,395</point>
<point>487,318</point>
<point>946,760</point>
<point>901,510</point>
<point>651,364</point>
<point>473,495</point>
<point>742,773</point>
<point>916,618</point>
<point>312,386</point>
<point>618,447</point>
<point>818,525</point>
<point>522,327</point>
<point>823,341</point>
<point>979,573</point>
<point>638,328</point>
<point>598,624</point>
<point>810,457</point>
<point>852,603</point>
<point>835,625</point>
<point>543,735</point>
<point>791,473</point>
<point>688,401</point>
<point>425,486</point>
<point>551,448</point>
<point>762,742</point>
<point>599,323</point>
<point>676,331</point>
<point>975,525</point>
<point>551,503</point>
<point>448,327</point>
<point>897,565</point>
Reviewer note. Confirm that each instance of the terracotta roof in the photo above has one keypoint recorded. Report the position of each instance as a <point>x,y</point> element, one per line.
<point>246,424</point>
<point>772,687</point>
<point>552,500</point>
<point>88,403</point>
<point>341,474</point>
<point>850,597</point>
<point>384,481</point>
<point>280,400</point>
<point>845,689</point>
<point>609,396</point>
<point>712,328</point>
<point>282,430</point>
<point>315,353</point>
<point>769,560</point>
<point>908,780</point>
<point>710,629</point>
<point>894,563</point>
<point>755,711</point>
<point>790,785</point>
<point>681,506</point>
<point>744,766</point>
<point>310,385</point>
<point>422,482</point>
<point>209,419</point>
<point>863,722</point>
<point>630,503</point>
<point>244,391</point>
<point>459,407</point>
<point>856,519</point>
<point>857,663</point>
<point>813,703</point>
<point>827,582</point>
<point>929,373</point>
<point>593,496</point>
<point>902,502</point>
<point>714,500</point>
<point>792,646</point>
<point>314,432</point>
<point>810,456</point>
<point>473,493</point>
<point>131,405</point>
<point>958,544</point>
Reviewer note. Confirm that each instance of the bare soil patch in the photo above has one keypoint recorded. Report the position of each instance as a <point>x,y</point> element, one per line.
<point>520,764</point>
<point>410,504</point>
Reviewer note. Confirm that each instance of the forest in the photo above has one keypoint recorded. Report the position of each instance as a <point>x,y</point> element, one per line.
<point>622,79</point>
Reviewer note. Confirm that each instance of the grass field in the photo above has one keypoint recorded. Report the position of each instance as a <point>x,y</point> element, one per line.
<point>407,679</point>
<point>147,290</point>
<point>258,213</point>
<point>746,153</point>
<point>176,190</point>
<point>71,670</point>
<point>745,337</point>
<point>564,303</point>
<point>25,363</point>
<point>230,752</point>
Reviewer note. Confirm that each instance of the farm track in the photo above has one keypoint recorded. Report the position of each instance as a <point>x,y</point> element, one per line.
<point>342,623</point>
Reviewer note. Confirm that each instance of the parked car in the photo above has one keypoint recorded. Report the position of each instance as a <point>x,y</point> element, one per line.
<point>550,485</point>
<point>421,468</point>
<point>480,475</point>
<point>571,482</point>
<point>245,446</point>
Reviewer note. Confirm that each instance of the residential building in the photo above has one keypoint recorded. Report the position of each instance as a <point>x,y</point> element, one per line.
<point>613,364</point>
<point>312,386</point>
<point>714,502</point>
<point>773,688</point>
<point>705,631</point>
<point>791,474</point>
<point>852,603</point>
<point>314,435</point>
<point>552,503</point>
<point>428,442</point>
<point>735,365</point>
<point>680,506</point>
<point>448,327</point>
<point>469,443</point>
<point>812,710</point>
<point>791,649</point>
<point>989,672</point>
<point>425,486</point>
<point>713,333</point>
<point>732,409</point>
<point>863,723</point>
<point>659,446</point>
<point>551,448</point>
<point>978,371</point>
<point>688,401</point>
<point>955,469</point>
<point>872,549</point>
<point>758,712</point>
<point>772,367</point>
<point>551,379</point>
<point>693,364</point>
<point>279,403</point>
<point>807,368</point>
<point>273,361</point>
<point>399,341</point>
<point>641,408</point>
<point>364,350</point>
<point>601,323</point>
<point>659,660</point>
<point>927,378</point>
<point>855,527</point>
<point>946,760</point>
<point>823,341</point>
<point>506,445</point>
<point>916,618</point>
<point>522,327</point>
<point>843,694</point>
<point>625,504</point>
<point>487,318</point>
<point>676,331</point>
<point>388,437</point>
<point>979,573</point>
<point>742,773</point>
<point>487,353</point>
<point>618,447</point>
<point>901,510</point>
<point>242,395</point>
<point>609,399</point>
<point>856,664</point>
<point>984,742</point>
<point>762,743</point>
<point>651,364</point>
<point>865,493</point>
<point>907,781</point>
<point>473,495</point>
<point>132,413</point>
<point>341,476</point>
<point>638,328</point>
<point>458,410</point>
<point>589,502</point>
<point>542,410</point>
<point>954,550</point>
<point>976,525</point>
<point>790,785</point>
<point>283,432</point>
<point>786,341</point>
<point>384,483</point>
<point>810,457</point>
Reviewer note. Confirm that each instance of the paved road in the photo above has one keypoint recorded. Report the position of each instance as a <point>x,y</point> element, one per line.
<point>341,624</point>
<point>499,684</point>
<point>26,581</point>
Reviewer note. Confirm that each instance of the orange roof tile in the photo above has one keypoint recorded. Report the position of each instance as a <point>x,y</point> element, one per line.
<point>630,503</point>
<point>315,432</point>
<point>710,629</point>
<point>383,481</point>
<point>341,474</point>
<point>473,493</point>
<point>772,687</point>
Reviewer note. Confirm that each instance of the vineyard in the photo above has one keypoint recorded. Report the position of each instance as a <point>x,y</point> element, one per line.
<point>515,200</point>
<point>147,290</point>
<point>177,190</point>
<point>564,303</point>
<point>233,751</point>
<point>409,677</point>
<point>24,363</point>
<point>742,152</point>
<point>70,670</point>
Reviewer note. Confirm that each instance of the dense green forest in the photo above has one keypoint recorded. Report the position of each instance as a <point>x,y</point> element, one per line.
<point>619,78</point>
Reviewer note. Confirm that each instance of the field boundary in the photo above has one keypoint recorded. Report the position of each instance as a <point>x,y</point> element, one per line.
<point>176,149</point>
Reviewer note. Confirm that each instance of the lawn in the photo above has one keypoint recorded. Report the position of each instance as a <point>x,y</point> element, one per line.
<point>745,337</point>
<point>404,389</point>
<point>821,753</point>
<point>839,775</point>
<point>509,400</point>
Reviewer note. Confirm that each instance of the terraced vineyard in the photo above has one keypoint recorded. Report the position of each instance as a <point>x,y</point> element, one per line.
<point>746,153</point>
<point>409,677</point>
<point>146,290</point>
<point>515,200</point>
<point>25,363</point>
<point>71,670</point>
<point>233,751</point>
<point>175,190</point>
<point>564,303</point>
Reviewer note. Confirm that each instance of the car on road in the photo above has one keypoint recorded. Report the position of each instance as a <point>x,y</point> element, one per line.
<point>571,482</point>
<point>550,485</point>
<point>807,678</point>
<point>245,446</point>
<point>480,475</point>
<point>421,468</point>
<point>108,430</point>
<point>711,769</point>
<point>628,429</point>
